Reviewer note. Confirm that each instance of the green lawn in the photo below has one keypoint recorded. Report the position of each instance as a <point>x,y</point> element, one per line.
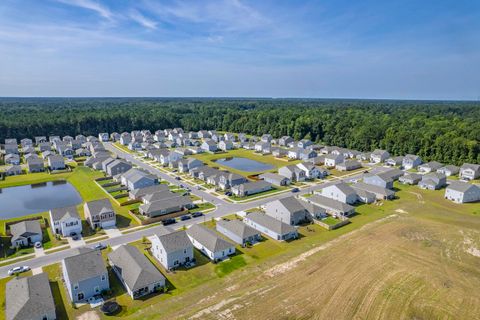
<point>209,159</point>
<point>122,147</point>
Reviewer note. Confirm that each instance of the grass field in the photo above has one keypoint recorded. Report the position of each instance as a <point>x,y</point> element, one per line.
<point>413,258</point>
<point>209,159</point>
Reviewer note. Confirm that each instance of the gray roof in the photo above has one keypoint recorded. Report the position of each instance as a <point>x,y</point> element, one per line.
<point>173,241</point>
<point>291,204</point>
<point>434,165</point>
<point>169,203</point>
<point>97,207</point>
<point>64,213</point>
<point>268,222</point>
<point>85,264</point>
<point>208,238</point>
<point>343,187</point>
<point>272,176</point>
<point>135,269</point>
<point>474,167</point>
<point>462,186</point>
<point>135,175</point>
<point>29,298</point>
<point>247,186</point>
<point>149,190</point>
<point>450,168</point>
<point>331,204</point>
<point>373,189</point>
<point>25,229</point>
<point>412,176</point>
<point>238,228</point>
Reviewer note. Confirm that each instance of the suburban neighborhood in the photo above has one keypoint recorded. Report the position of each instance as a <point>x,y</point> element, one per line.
<point>154,203</point>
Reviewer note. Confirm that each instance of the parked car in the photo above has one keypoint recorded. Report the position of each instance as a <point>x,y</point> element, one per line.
<point>18,270</point>
<point>99,246</point>
<point>166,222</point>
<point>181,186</point>
<point>228,193</point>
<point>295,190</point>
<point>178,178</point>
<point>38,244</point>
<point>199,188</point>
<point>197,214</point>
<point>185,217</point>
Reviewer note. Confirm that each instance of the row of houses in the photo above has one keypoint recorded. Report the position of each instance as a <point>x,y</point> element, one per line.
<point>64,222</point>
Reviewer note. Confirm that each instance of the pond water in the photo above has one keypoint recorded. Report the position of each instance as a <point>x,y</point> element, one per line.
<point>244,164</point>
<point>24,200</point>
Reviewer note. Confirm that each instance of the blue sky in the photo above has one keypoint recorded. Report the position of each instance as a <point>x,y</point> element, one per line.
<point>421,49</point>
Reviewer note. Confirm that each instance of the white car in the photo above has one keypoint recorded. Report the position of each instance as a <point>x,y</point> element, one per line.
<point>18,270</point>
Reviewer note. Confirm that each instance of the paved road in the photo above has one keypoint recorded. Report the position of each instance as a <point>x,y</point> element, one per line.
<point>223,208</point>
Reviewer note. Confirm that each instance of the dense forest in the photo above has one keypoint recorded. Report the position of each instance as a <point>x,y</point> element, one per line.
<point>448,132</point>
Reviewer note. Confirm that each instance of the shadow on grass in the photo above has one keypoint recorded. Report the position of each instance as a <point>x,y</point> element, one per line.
<point>122,221</point>
<point>57,297</point>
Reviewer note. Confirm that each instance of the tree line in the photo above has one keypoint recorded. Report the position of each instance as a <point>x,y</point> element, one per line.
<point>448,132</point>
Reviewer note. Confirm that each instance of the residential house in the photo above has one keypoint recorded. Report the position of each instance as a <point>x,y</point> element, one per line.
<point>82,152</point>
<point>228,180</point>
<point>379,192</point>
<point>462,192</point>
<point>35,165</point>
<point>44,146</point>
<point>279,152</point>
<point>209,243</point>
<point>135,145</point>
<point>341,192</point>
<point>56,162</point>
<point>238,231</point>
<point>115,136</point>
<point>428,167</point>
<point>85,274</point>
<point>204,134</point>
<point>384,179</point>
<point>348,165</point>
<point>318,160</point>
<point>172,248</point>
<point>263,147</point>
<point>185,165</point>
<point>331,160</point>
<point>12,158</point>
<point>379,156</point>
<point>306,154</point>
<point>165,202</point>
<point>411,161</point>
<point>209,146</point>
<point>285,141</point>
<point>311,170</point>
<point>332,206</point>
<point>40,139</point>
<point>294,153</point>
<point>52,139</point>
<point>11,148</point>
<point>29,298</point>
<point>136,179</point>
<point>410,178</point>
<point>293,173</point>
<point>125,139</point>
<point>117,167</point>
<point>449,170</point>
<point>275,179</point>
<point>304,143</point>
<point>99,214</point>
<point>81,138</point>
<point>137,194</point>
<point>137,274</point>
<point>271,227</point>
<point>26,233</point>
<point>292,211</point>
<point>250,188</point>
<point>242,137</point>
<point>469,171</point>
<point>266,138</point>
<point>225,145</point>
<point>65,221</point>
<point>28,149</point>
<point>433,181</point>
<point>394,161</point>
<point>13,170</point>
<point>75,144</point>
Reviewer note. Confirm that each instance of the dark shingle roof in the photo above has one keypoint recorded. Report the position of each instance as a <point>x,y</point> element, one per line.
<point>29,298</point>
<point>208,238</point>
<point>85,264</point>
<point>135,269</point>
<point>61,213</point>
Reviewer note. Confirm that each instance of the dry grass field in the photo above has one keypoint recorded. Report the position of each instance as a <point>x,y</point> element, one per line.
<point>421,261</point>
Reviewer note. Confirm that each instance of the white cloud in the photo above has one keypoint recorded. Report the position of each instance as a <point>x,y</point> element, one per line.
<point>142,20</point>
<point>91,5</point>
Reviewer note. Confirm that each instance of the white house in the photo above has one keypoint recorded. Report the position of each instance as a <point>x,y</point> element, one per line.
<point>462,192</point>
<point>65,221</point>
<point>172,248</point>
<point>331,160</point>
<point>341,192</point>
<point>209,243</point>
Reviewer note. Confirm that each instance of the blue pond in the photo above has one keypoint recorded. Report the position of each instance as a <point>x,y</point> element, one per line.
<point>25,200</point>
<point>244,164</point>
